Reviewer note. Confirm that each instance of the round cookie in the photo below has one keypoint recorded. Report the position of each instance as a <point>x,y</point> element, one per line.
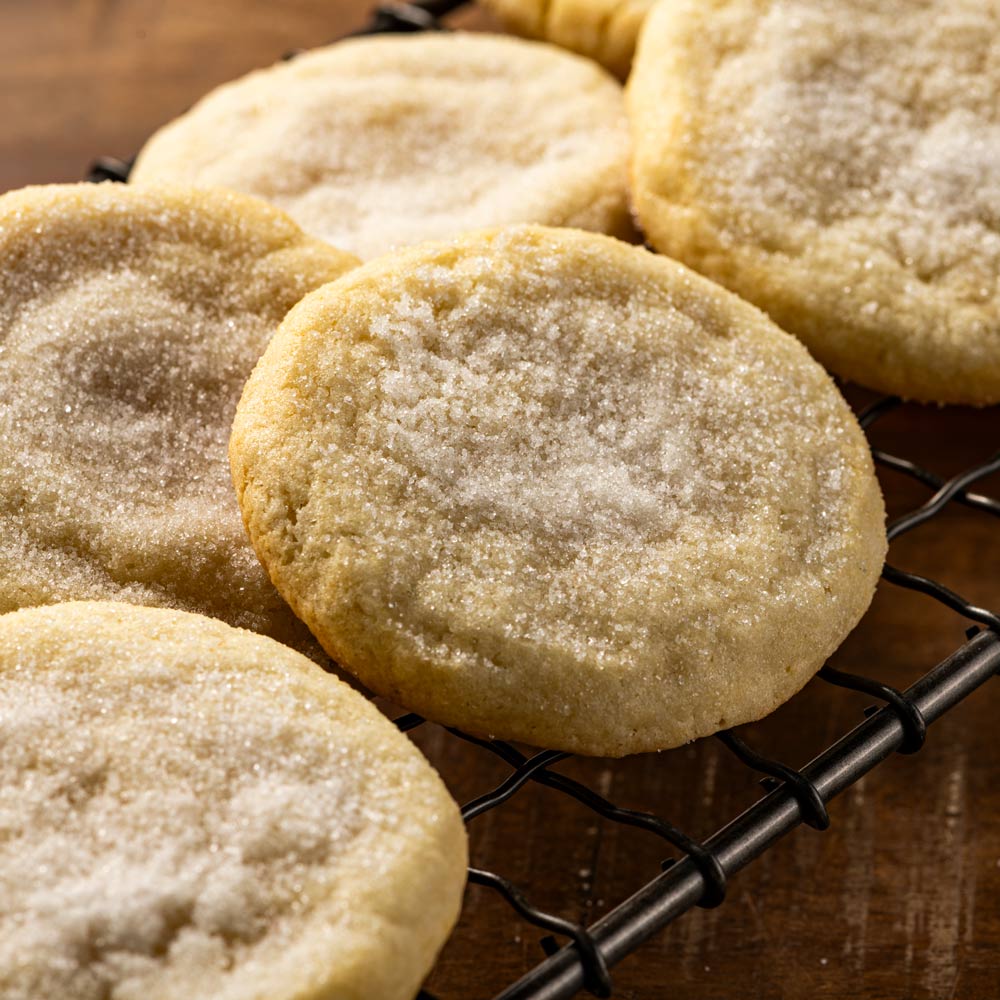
<point>604,30</point>
<point>545,486</point>
<point>374,143</point>
<point>129,320</point>
<point>191,810</point>
<point>838,164</point>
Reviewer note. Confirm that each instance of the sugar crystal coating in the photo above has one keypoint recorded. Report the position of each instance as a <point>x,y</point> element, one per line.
<point>839,165</point>
<point>189,810</point>
<point>376,143</point>
<point>541,485</point>
<point>129,321</point>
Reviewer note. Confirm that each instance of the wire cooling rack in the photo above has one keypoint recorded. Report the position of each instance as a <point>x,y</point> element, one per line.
<point>698,874</point>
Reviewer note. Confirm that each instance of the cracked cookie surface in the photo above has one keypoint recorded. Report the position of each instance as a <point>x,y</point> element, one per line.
<point>544,486</point>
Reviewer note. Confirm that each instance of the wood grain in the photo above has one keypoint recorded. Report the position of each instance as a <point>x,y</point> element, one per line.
<point>897,900</point>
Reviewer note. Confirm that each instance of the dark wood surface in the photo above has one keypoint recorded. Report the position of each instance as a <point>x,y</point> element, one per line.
<point>899,899</point>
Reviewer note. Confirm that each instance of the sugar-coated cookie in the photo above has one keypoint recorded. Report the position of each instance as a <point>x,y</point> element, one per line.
<point>191,810</point>
<point>129,320</point>
<point>838,164</point>
<point>374,143</point>
<point>604,30</point>
<point>545,486</point>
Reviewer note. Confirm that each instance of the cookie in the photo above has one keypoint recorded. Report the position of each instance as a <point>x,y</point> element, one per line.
<point>544,486</point>
<point>604,30</point>
<point>838,164</point>
<point>129,320</point>
<point>374,143</point>
<point>188,809</point>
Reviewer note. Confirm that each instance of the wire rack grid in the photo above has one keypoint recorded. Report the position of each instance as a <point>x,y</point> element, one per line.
<point>698,873</point>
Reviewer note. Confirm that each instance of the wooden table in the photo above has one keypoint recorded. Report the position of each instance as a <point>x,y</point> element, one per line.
<point>899,899</point>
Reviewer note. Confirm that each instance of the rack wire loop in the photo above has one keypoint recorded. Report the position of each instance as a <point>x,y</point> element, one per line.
<point>713,875</point>
<point>910,717</point>
<point>597,978</point>
<point>806,794</point>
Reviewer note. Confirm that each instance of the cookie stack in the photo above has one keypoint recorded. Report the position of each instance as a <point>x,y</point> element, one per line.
<point>513,472</point>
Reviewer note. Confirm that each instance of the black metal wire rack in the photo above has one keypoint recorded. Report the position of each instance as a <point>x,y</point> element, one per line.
<point>699,873</point>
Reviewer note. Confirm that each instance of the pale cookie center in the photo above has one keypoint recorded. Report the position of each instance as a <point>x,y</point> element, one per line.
<point>603,439</point>
<point>880,127</point>
<point>117,401</point>
<point>114,372</point>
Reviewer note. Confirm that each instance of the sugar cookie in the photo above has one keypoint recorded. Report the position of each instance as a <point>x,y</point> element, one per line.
<point>190,810</point>
<point>838,164</point>
<point>544,486</point>
<point>129,320</point>
<point>374,143</point>
<point>604,30</point>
